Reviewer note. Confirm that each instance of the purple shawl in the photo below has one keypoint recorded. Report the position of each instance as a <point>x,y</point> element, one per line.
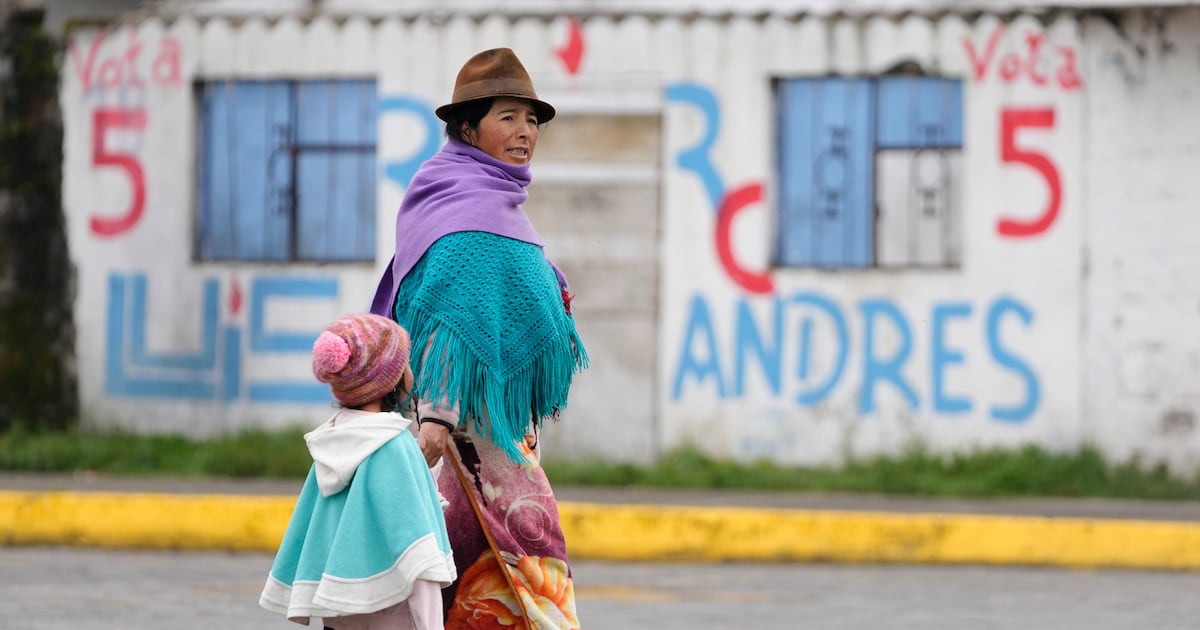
<point>461,189</point>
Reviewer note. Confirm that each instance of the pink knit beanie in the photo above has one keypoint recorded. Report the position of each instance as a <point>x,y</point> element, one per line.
<point>361,356</point>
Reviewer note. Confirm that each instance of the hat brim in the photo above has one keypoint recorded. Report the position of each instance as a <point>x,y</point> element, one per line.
<point>545,111</point>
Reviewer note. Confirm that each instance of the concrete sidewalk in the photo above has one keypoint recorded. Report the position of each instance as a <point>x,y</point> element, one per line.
<point>1072,508</point>
<point>642,524</point>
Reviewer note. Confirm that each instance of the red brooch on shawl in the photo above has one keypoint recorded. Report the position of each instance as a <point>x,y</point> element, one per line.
<point>567,297</point>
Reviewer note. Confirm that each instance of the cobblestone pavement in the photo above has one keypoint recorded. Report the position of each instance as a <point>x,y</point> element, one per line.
<point>90,589</point>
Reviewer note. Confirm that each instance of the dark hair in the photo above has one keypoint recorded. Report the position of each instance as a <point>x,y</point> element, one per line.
<point>471,113</point>
<point>399,399</point>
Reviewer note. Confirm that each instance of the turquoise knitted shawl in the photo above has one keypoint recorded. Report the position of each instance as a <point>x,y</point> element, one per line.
<point>497,339</point>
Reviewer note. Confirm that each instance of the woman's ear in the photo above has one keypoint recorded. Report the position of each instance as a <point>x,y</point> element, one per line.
<point>467,132</point>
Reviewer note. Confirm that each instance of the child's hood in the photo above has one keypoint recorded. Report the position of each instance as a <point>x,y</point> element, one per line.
<point>345,440</point>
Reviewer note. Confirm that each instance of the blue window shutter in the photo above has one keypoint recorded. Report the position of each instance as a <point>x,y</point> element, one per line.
<point>796,115</point>
<point>825,172</point>
<point>919,112</point>
<point>336,170</point>
<point>243,166</point>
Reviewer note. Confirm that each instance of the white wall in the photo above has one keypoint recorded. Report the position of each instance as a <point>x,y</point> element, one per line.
<point>1066,336</point>
<point>1000,276</point>
<point>1141,289</point>
<point>188,360</point>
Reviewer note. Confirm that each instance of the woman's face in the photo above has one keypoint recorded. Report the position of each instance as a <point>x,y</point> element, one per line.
<point>508,132</point>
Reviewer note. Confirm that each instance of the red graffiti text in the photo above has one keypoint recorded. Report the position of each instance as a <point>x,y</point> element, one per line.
<point>733,203</point>
<point>1030,61</point>
<point>102,121</point>
<point>1013,120</point>
<point>134,67</point>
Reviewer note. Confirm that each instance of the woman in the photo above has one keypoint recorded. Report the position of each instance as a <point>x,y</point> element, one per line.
<point>471,284</point>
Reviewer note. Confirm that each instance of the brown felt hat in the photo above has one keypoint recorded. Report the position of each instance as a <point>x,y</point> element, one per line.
<point>492,73</point>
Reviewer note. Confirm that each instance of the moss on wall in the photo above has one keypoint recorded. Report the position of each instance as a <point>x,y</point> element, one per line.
<point>37,381</point>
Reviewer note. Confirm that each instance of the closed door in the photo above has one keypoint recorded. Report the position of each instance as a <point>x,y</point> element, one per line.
<point>595,200</point>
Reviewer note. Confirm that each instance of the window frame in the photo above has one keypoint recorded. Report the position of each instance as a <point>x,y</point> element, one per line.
<point>291,149</point>
<point>782,217</point>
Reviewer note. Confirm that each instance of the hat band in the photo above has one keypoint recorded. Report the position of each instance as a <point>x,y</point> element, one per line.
<point>494,87</point>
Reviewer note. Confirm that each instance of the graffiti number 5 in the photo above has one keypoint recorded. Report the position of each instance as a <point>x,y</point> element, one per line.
<point>102,119</point>
<point>1011,121</point>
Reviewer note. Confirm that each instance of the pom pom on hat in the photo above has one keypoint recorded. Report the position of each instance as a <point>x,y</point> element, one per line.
<point>362,357</point>
<point>330,354</point>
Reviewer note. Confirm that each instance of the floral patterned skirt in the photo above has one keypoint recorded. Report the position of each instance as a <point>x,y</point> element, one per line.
<point>507,542</point>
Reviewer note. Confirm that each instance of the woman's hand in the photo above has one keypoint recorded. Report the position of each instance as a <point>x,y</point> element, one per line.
<point>432,437</point>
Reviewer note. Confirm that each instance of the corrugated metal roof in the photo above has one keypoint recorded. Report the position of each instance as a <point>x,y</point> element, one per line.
<point>416,8</point>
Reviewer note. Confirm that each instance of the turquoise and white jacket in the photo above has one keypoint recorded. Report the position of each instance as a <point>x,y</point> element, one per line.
<point>367,524</point>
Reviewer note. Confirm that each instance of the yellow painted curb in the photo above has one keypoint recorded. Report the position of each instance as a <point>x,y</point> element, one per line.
<point>634,532</point>
<point>144,521</point>
<point>616,532</point>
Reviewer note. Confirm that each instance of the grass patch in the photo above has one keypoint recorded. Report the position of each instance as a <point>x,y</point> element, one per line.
<point>1028,471</point>
<point>253,453</point>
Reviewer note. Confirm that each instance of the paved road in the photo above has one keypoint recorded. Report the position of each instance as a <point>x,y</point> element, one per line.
<point>89,589</point>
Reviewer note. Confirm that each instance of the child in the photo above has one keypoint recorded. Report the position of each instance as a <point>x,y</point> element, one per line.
<point>366,546</point>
